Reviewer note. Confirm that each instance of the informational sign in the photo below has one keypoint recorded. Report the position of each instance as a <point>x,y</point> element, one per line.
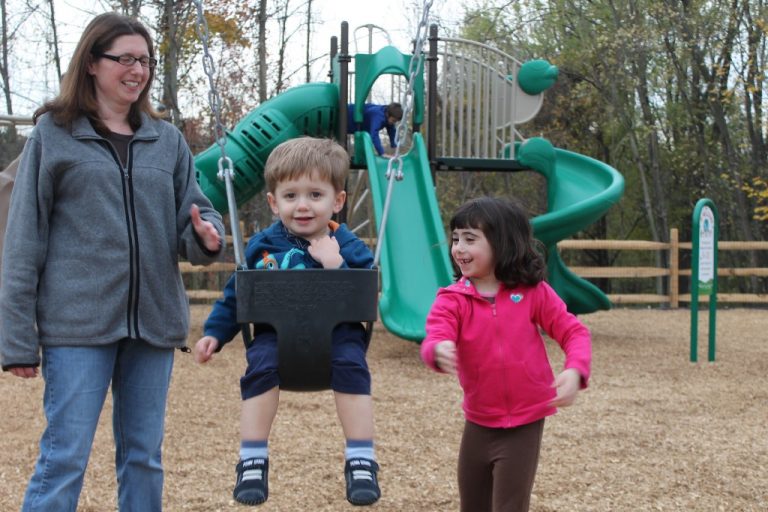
<point>704,232</point>
<point>706,251</point>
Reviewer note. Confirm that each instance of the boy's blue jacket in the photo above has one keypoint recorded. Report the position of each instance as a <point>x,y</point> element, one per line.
<point>374,119</point>
<point>276,248</point>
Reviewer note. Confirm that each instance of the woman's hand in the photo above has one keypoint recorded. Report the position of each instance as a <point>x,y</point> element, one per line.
<point>24,373</point>
<point>205,230</point>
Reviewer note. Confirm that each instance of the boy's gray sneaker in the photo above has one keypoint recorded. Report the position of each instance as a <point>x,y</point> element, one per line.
<point>362,483</point>
<point>252,486</point>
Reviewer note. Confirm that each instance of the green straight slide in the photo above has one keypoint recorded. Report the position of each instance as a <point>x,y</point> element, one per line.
<point>414,256</point>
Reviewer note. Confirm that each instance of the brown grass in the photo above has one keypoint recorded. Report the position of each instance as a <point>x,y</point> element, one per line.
<point>653,431</point>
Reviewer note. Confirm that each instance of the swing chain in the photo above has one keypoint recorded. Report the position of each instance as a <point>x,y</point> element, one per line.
<point>214,100</point>
<point>226,171</point>
<point>401,133</point>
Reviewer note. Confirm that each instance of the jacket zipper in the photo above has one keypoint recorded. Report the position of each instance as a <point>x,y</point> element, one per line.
<point>132,312</point>
<point>502,353</point>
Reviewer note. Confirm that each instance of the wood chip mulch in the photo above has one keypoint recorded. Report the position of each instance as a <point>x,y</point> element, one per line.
<point>653,432</point>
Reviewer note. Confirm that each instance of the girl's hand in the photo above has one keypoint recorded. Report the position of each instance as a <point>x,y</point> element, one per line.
<point>205,230</point>
<point>445,356</point>
<point>567,384</point>
<point>204,349</point>
<point>326,251</point>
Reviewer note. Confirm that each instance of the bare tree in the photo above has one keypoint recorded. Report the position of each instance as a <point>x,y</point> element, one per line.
<point>6,43</point>
<point>54,40</point>
<point>170,34</point>
<point>129,7</point>
<point>307,57</point>
<point>8,36</point>
<point>261,15</point>
<point>286,31</point>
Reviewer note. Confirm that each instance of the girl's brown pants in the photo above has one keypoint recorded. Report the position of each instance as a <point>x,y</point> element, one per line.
<point>497,467</point>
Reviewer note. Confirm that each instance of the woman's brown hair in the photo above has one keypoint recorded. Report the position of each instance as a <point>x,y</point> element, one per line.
<point>77,96</point>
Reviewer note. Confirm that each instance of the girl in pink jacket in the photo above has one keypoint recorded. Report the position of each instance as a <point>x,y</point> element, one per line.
<point>485,328</point>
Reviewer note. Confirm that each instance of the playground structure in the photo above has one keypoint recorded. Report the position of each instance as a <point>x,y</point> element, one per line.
<point>475,98</point>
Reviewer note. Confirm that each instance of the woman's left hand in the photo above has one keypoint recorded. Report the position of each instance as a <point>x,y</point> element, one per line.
<point>205,230</point>
<point>567,385</point>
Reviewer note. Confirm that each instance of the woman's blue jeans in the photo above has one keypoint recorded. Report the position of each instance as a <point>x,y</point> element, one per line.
<point>76,383</point>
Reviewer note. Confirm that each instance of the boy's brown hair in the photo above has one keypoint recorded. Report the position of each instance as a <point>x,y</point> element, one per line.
<point>307,156</point>
<point>395,110</point>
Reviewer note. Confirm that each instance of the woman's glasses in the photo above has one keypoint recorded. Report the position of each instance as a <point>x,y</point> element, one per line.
<point>129,60</point>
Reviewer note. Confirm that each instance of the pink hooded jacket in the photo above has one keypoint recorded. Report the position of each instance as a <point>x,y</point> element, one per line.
<point>502,361</point>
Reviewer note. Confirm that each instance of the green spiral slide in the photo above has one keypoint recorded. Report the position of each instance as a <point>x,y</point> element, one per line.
<point>414,256</point>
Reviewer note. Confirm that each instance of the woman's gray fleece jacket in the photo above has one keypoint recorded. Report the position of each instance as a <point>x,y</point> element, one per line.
<point>92,248</point>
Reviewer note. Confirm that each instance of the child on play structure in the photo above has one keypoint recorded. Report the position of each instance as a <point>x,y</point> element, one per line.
<point>376,118</point>
<point>484,328</point>
<point>305,179</point>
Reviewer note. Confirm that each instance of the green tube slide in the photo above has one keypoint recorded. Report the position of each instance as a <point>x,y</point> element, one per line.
<point>580,190</point>
<point>309,109</point>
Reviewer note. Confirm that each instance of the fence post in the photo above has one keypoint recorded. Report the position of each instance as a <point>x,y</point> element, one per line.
<point>674,269</point>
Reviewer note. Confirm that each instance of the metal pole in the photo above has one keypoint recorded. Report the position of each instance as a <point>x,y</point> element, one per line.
<point>344,60</point>
<point>432,99</point>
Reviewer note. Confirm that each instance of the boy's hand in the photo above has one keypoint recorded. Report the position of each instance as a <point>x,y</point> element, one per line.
<point>567,385</point>
<point>204,349</point>
<point>445,356</point>
<point>205,230</point>
<point>326,251</point>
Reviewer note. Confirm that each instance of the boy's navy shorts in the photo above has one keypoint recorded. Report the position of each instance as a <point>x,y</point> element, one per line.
<point>349,369</point>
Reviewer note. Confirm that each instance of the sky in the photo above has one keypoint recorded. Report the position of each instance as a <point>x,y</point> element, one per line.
<point>34,81</point>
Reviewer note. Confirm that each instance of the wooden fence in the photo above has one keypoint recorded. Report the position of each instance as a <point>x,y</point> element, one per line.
<point>671,274</point>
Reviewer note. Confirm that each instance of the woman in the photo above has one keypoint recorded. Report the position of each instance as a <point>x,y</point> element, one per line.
<point>104,203</point>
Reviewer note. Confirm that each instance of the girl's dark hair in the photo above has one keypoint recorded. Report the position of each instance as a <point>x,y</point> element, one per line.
<point>78,94</point>
<point>516,254</point>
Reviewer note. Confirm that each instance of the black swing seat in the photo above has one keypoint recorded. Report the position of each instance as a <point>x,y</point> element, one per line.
<point>303,306</point>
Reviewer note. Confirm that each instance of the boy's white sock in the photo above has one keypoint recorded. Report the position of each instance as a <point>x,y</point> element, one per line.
<point>254,449</point>
<point>359,449</point>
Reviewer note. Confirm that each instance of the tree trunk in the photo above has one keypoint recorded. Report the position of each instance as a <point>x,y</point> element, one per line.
<point>282,22</point>
<point>170,58</point>
<point>55,41</point>
<point>131,8</point>
<point>4,64</point>
<point>308,56</point>
<point>262,49</point>
<point>753,91</point>
<point>659,186</point>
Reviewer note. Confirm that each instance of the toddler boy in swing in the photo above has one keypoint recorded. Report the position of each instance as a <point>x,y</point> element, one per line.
<point>305,180</point>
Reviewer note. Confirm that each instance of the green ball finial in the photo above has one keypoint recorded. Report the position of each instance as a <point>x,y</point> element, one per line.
<point>536,76</point>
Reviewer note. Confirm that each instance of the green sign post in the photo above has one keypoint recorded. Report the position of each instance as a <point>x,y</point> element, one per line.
<point>704,271</point>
